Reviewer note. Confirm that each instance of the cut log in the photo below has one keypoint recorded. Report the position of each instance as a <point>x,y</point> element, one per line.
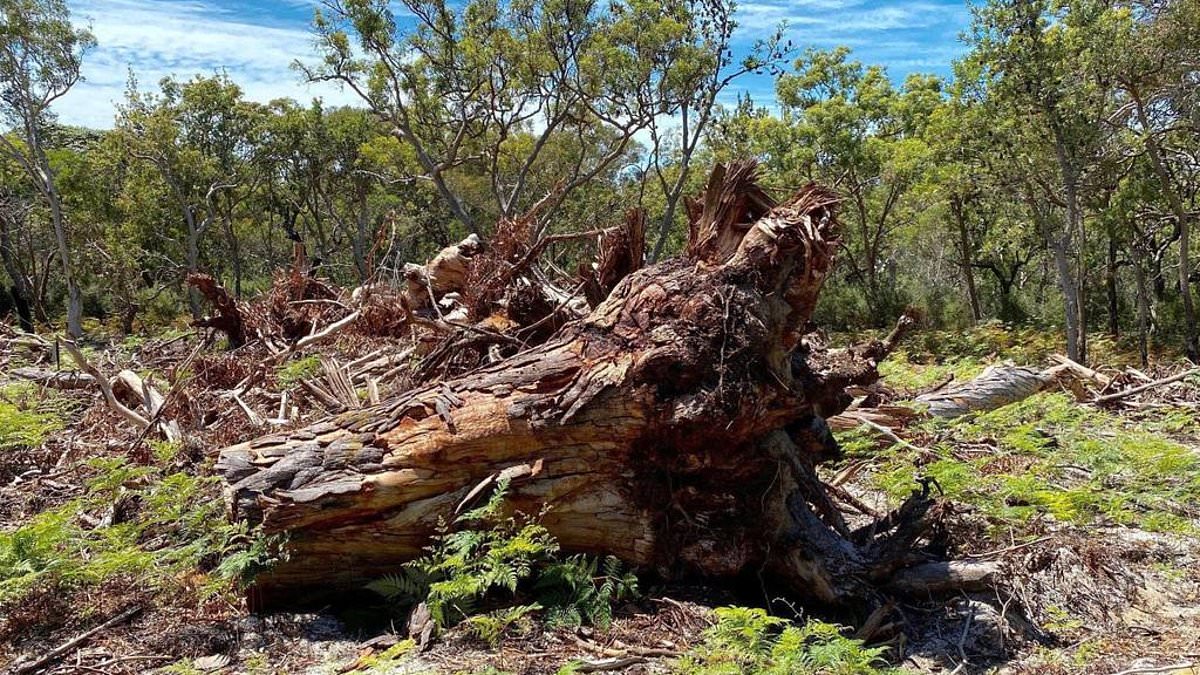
<point>677,426</point>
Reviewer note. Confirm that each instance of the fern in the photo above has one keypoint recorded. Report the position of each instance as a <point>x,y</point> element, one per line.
<point>409,585</point>
<point>494,625</point>
<point>577,592</point>
<point>749,640</point>
<point>490,557</point>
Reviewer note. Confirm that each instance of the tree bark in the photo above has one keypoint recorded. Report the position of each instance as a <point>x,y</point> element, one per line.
<point>965,261</point>
<point>1110,288</point>
<point>1143,304</point>
<point>677,427</point>
<point>21,293</point>
<point>1190,331</point>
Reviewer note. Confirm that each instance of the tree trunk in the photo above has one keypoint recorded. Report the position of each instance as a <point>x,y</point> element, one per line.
<point>74,296</point>
<point>1110,287</point>
<point>965,262</point>
<point>1066,283</point>
<point>677,427</point>
<point>193,261</point>
<point>235,251</point>
<point>1143,303</point>
<point>20,291</point>
<point>1190,332</point>
<point>361,234</point>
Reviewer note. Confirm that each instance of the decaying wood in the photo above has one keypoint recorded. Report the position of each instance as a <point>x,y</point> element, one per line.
<point>937,578</point>
<point>229,319</point>
<point>676,426</point>
<point>1133,391</point>
<point>150,399</point>
<point>55,379</point>
<point>105,388</point>
<point>1004,384</point>
<point>997,386</point>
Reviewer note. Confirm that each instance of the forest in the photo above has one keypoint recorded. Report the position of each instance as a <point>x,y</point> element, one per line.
<point>558,351</point>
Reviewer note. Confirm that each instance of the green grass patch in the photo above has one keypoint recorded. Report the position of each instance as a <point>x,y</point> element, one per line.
<point>292,373</point>
<point>1050,456</point>
<point>22,428</point>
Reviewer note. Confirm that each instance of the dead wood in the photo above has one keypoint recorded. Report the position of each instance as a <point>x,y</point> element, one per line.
<point>144,394</point>
<point>54,654</point>
<point>55,379</point>
<point>676,426</point>
<point>102,382</point>
<point>942,577</point>
<point>229,319</point>
<point>1108,398</point>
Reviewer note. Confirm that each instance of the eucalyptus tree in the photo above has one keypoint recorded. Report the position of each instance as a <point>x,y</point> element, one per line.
<point>1044,75</point>
<point>1154,52</point>
<point>15,205</point>
<point>41,55</point>
<point>195,135</point>
<point>705,68</point>
<point>851,127</point>
<point>489,85</point>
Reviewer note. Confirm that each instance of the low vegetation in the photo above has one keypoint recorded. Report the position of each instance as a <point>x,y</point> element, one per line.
<point>494,570</point>
<point>144,526</point>
<point>748,640</point>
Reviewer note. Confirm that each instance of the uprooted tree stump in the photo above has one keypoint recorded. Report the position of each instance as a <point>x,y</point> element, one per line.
<point>676,426</point>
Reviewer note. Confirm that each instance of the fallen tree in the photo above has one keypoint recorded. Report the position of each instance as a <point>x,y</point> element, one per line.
<point>677,426</point>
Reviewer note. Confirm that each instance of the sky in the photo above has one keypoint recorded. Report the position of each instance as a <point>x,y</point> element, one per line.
<point>256,41</point>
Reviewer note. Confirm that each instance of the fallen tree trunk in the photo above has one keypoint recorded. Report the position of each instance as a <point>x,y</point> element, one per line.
<point>1004,384</point>
<point>55,379</point>
<point>677,427</point>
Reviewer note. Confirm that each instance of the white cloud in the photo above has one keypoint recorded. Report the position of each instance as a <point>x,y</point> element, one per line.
<point>156,38</point>
<point>904,35</point>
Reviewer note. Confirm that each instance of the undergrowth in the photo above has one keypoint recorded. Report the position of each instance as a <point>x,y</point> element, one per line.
<point>749,640</point>
<point>294,372</point>
<point>154,529</point>
<point>28,415</point>
<point>494,571</point>
<point>928,357</point>
<point>1047,457</point>
<point>1050,456</point>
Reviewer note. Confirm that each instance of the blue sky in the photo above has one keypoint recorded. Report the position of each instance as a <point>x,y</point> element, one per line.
<point>255,41</point>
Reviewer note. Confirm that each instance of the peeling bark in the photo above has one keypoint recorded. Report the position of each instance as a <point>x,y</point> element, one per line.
<point>677,426</point>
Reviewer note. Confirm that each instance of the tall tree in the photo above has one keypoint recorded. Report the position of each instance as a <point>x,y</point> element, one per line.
<point>1153,50</point>
<point>1043,75</point>
<point>706,68</point>
<point>194,134</point>
<point>491,84</point>
<point>41,54</point>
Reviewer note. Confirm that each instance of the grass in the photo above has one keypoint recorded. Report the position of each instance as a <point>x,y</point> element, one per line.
<point>1045,457</point>
<point>27,416</point>
<point>1049,456</point>
<point>292,373</point>
<point>927,357</point>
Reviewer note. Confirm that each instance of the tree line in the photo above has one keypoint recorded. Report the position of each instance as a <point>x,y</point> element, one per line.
<point>1051,179</point>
